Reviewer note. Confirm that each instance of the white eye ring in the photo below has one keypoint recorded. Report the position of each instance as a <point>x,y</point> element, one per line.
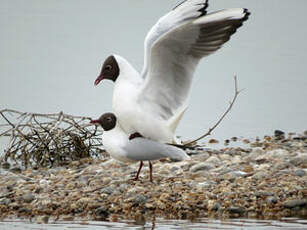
<point>108,67</point>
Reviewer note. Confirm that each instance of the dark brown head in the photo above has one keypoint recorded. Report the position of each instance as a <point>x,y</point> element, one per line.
<point>107,121</point>
<point>109,70</point>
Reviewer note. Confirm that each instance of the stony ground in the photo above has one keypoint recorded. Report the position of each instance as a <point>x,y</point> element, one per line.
<point>266,179</point>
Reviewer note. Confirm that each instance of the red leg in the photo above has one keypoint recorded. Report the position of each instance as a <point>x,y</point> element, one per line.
<point>137,175</point>
<point>150,171</point>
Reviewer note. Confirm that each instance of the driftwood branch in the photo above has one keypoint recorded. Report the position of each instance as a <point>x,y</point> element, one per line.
<point>37,139</point>
<point>221,118</point>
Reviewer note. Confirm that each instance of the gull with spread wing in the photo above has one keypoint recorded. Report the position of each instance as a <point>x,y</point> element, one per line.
<point>152,103</point>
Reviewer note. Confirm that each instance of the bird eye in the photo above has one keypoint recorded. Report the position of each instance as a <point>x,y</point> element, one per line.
<point>109,119</point>
<point>108,67</point>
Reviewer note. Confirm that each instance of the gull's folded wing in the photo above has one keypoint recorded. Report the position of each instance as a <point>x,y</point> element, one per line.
<point>141,149</point>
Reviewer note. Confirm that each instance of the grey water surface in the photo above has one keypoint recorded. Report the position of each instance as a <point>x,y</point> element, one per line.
<point>52,51</point>
<point>242,224</point>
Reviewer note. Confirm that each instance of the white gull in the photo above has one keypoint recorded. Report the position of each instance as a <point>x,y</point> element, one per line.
<point>152,103</point>
<point>116,142</point>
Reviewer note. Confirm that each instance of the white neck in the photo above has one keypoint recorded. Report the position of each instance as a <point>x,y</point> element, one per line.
<point>127,72</point>
<point>114,142</point>
<point>115,135</point>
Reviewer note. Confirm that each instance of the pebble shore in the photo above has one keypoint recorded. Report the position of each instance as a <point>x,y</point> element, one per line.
<point>265,179</point>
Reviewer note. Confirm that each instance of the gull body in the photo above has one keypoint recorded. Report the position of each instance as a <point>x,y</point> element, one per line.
<point>152,102</point>
<point>117,144</point>
<point>133,116</point>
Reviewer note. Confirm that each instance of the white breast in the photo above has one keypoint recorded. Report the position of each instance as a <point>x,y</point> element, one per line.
<point>135,118</point>
<point>131,115</point>
<point>114,142</point>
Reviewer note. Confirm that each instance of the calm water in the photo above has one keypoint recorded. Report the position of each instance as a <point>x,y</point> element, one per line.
<point>289,223</point>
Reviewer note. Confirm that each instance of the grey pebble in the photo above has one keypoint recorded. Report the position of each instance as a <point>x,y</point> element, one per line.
<point>53,171</point>
<point>264,194</point>
<point>255,153</point>
<point>229,176</point>
<point>278,153</point>
<point>278,133</point>
<point>28,197</point>
<point>239,173</point>
<point>15,170</point>
<point>139,199</point>
<point>295,203</point>
<point>216,206</point>
<point>232,152</point>
<point>5,165</point>
<point>271,199</point>
<point>42,219</point>
<point>260,175</point>
<point>174,168</point>
<point>223,170</point>
<point>238,210</point>
<point>261,160</point>
<point>206,184</point>
<point>123,187</point>
<point>299,172</point>
<point>202,157</point>
<point>5,201</point>
<point>282,172</point>
<point>201,167</point>
<point>299,160</point>
<point>84,179</point>
<point>101,213</point>
<point>24,210</point>
<point>108,190</point>
<point>213,160</point>
<point>281,166</point>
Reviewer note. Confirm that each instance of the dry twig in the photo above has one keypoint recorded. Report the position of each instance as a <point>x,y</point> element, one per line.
<point>48,139</point>
<point>221,118</point>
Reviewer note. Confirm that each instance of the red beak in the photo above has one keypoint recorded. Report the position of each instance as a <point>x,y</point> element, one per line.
<point>99,78</point>
<point>94,121</point>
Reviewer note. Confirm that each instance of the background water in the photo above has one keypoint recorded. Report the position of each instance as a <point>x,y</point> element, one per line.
<point>52,51</point>
<point>290,223</point>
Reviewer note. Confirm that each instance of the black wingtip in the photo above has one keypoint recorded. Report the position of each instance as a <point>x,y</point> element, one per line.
<point>179,4</point>
<point>203,10</point>
<point>247,13</point>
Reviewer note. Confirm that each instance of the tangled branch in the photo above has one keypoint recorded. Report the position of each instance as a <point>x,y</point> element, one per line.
<point>46,140</point>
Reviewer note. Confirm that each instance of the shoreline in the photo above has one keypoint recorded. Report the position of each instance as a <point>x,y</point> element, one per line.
<point>267,180</point>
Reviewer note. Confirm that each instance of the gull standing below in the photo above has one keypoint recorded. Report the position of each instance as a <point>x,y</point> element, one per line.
<point>152,103</point>
<point>117,144</point>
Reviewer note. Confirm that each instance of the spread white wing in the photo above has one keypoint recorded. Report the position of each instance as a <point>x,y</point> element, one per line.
<point>173,48</point>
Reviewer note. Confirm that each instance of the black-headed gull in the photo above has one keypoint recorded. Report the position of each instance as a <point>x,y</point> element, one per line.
<point>153,102</point>
<point>117,144</point>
